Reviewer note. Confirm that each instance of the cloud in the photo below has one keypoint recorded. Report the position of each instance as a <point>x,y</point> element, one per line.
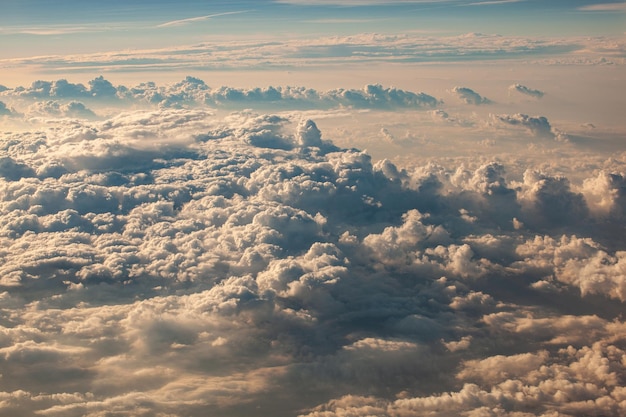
<point>604,7</point>
<point>197,19</point>
<point>59,29</point>
<point>169,258</point>
<point>496,369</point>
<point>551,199</point>
<point>339,21</point>
<point>539,126</point>
<point>522,89</point>
<point>311,52</point>
<point>308,134</point>
<point>581,263</point>
<point>605,194</point>
<point>99,88</point>
<point>13,170</point>
<point>565,392</point>
<point>469,96</point>
<point>4,110</point>
<point>492,2</point>
<point>60,88</point>
<point>194,92</point>
<point>54,108</point>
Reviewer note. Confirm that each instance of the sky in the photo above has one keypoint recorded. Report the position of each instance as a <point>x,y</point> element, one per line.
<point>312,208</point>
<point>37,27</point>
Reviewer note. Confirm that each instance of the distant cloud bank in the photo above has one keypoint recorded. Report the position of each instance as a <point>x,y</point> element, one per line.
<point>358,49</point>
<point>193,91</point>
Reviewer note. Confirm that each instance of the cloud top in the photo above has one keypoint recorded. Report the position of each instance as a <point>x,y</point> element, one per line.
<point>522,89</point>
<point>194,92</point>
<point>469,96</point>
<point>173,259</point>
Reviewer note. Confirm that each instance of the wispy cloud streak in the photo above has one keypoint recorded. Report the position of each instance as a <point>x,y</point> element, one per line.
<point>604,7</point>
<point>492,2</point>
<point>198,19</point>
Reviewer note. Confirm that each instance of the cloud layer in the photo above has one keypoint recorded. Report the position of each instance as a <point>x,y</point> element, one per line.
<point>194,92</point>
<point>171,261</point>
<point>356,49</point>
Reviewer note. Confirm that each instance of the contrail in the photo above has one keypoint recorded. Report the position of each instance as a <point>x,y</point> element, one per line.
<point>197,19</point>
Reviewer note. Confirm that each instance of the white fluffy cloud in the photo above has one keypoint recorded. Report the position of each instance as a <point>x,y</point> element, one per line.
<point>174,260</point>
<point>606,194</point>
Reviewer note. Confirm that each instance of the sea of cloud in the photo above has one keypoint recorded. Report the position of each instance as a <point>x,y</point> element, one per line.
<point>184,250</point>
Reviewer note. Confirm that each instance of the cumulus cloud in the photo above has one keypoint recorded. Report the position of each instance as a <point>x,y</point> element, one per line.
<point>13,170</point>
<point>580,262</point>
<point>371,96</point>
<point>99,87</point>
<point>606,194</point>
<point>522,89</point>
<point>57,109</point>
<point>538,126</point>
<point>551,199</point>
<point>59,88</point>
<point>469,96</point>
<point>195,92</point>
<point>173,260</point>
<point>4,111</point>
<point>525,385</point>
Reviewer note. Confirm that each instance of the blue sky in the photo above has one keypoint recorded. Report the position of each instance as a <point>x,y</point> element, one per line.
<point>138,21</point>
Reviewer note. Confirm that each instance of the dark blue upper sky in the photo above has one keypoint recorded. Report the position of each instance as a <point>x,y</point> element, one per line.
<point>517,14</point>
